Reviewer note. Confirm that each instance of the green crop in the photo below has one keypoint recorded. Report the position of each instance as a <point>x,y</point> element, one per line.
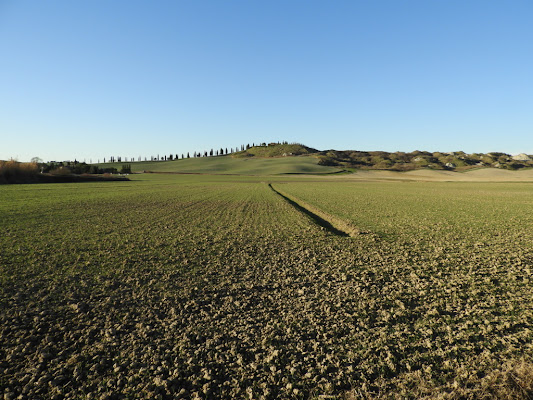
<point>233,165</point>
<point>189,286</point>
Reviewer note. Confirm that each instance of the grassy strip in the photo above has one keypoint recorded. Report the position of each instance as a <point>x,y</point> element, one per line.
<point>318,220</point>
<point>328,221</point>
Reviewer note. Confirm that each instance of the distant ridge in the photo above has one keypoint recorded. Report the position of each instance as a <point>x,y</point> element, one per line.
<point>416,160</point>
<point>397,161</point>
<point>299,158</point>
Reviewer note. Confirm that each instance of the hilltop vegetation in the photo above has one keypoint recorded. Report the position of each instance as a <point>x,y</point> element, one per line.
<point>276,150</point>
<point>401,161</point>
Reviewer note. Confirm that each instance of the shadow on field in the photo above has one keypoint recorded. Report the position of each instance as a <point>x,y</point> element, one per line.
<point>318,220</point>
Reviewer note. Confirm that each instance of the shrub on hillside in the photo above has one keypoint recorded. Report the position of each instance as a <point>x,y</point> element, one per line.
<point>400,157</point>
<point>514,165</point>
<point>383,164</point>
<point>61,171</point>
<point>327,161</point>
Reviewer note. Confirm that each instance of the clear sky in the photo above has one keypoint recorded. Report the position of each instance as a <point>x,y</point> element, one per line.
<point>91,79</point>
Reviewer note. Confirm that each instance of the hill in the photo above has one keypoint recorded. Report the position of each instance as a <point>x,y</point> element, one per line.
<point>275,150</point>
<point>232,165</point>
<point>401,161</point>
<point>285,158</point>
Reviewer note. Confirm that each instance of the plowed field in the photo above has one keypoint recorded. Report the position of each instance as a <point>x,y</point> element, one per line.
<point>219,287</point>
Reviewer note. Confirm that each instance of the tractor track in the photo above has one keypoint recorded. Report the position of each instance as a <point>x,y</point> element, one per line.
<point>333,224</point>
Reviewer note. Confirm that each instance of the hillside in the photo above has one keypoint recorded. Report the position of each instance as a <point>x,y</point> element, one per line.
<point>231,165</point>
<point>401,161</point>
<point>284,158</point>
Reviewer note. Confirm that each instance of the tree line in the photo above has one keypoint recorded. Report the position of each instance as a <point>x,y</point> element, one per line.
<point>195,154</point>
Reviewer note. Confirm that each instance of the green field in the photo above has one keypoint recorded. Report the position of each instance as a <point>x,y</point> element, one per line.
<point>233,166</point>
<point>216,286</point>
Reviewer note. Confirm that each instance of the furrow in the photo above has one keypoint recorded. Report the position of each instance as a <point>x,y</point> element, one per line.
<point>333,224</point>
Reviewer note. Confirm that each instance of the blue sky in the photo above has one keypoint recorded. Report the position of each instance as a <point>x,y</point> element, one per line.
<point>92,79</point>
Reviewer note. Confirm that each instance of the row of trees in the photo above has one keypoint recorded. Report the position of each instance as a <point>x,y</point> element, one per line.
<point>73,167</point>
<point>39,172</point>
<point>119,159</point>
<point>210,153</point>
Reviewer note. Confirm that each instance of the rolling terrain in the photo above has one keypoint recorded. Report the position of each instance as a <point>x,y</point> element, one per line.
<point>308,164</point>
<point>232,166</point>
